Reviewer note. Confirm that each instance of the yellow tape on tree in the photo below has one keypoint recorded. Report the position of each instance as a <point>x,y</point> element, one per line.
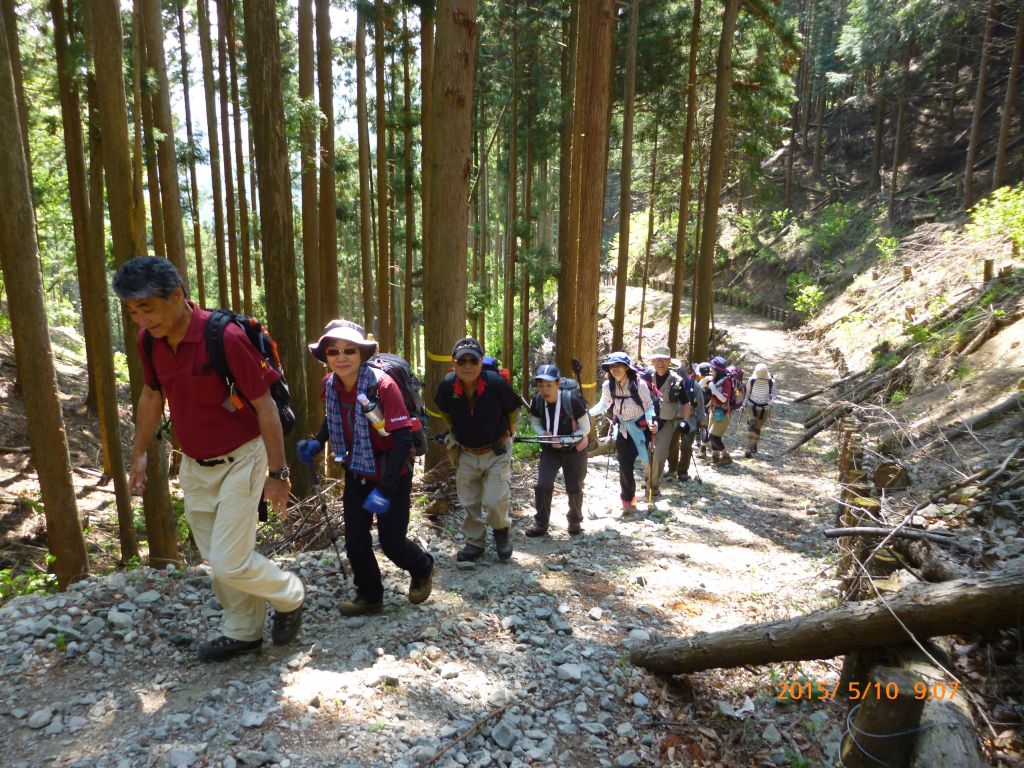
<point>439,358</point>
<point>435,414</point>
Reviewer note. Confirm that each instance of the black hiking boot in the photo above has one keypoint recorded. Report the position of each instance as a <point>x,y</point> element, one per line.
<point>285,626</point>
<point>469,553</point>
<point>503,543</point>
<point>421,586</point>
<point>223,648</point>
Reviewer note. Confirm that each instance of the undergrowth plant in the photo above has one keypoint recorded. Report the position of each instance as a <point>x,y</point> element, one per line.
<point>1001,214</point>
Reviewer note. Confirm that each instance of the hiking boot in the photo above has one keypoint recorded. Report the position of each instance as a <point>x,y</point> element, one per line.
<point>502,543</point>
<point>469,553</point>
<point>223,648</point>
<point>536,530</point>
<point>361,607</point>
<point>703,452</point>
<point>715,457</point>
<point>748,454</point>
<point>421,586</point>
<point>725,459</point>
<point>286,625</point>
<point>575,529</point>
<point>684,478</point>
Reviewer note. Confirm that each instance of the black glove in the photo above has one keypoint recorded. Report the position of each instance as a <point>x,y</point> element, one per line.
<point>684,427</point>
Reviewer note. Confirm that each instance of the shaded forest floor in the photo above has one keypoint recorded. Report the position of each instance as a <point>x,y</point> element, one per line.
<point>524,663</point>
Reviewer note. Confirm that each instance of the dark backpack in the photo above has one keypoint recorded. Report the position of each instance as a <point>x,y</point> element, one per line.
<point>739,389</point>
<point>264,343</point>
<point>400,371</point>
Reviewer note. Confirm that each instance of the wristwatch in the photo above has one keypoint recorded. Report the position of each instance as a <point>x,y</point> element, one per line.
<point>280,474</point>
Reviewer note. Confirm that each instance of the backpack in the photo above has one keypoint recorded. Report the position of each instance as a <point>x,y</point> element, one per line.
<point>264,343</point>
<point>400,371</point>
<point>647,374</point>
<point>566,389</point>
<point>491,364</point>
<point>739,389</point>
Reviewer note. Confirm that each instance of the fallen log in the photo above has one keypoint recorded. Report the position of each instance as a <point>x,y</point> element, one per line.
<point>1013,402</point>
<point>976,604</point>
<point>833,385</point>
<point>946,539</point>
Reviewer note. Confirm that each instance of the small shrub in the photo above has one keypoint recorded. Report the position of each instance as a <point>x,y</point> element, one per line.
<point>898,397</point>
<point>1001,214</point>
<point>809,299</point>
<point>887,247</point>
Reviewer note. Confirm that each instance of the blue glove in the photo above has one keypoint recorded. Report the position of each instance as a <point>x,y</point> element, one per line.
<point>376,503</point>
<point>307,450</point>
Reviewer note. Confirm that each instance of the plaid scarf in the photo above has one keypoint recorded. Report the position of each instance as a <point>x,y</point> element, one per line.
<point>362,460</point>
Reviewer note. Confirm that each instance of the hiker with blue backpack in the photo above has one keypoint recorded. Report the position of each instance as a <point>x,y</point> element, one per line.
<point>559,416</point>
<point>371,433</point>
<point>231,434</point>
<point>629,398</point>
<point>760,398</point>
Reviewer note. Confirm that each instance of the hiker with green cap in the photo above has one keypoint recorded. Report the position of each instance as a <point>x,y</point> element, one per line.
<point>560,419</point>
<point>674,411</point>
<point>480,409</point>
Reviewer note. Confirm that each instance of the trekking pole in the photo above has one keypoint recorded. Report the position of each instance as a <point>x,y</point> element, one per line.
<point>696,472</point>
<point>614,432</point>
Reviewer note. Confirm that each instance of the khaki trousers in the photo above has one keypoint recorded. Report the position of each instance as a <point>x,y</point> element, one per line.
<point>220,506</point>
<point>662,444</point>
<point>482,482</point>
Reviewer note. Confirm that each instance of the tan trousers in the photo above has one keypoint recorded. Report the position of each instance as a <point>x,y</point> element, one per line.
<point>662,444</point>
<point>220,506</point>
<point>482,482</point>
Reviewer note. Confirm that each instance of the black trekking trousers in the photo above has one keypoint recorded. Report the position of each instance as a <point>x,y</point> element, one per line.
<point>626,452</point>
<point>392,527</point>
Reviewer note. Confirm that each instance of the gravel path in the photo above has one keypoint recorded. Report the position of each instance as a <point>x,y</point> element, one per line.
<point>524,663</point>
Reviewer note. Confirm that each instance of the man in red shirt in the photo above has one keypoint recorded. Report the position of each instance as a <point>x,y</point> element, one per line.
<point>228,444</point>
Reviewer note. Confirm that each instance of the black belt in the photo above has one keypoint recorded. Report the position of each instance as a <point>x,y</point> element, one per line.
<point>214,462</point>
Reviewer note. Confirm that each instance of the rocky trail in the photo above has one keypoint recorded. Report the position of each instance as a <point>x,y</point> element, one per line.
<point>522,663</point>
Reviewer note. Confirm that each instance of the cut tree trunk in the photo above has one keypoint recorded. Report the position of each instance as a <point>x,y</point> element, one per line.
<point>976,604</point>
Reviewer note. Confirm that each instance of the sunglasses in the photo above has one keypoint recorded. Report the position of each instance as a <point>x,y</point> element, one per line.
<point>467,361</point>
<point>334,352</point>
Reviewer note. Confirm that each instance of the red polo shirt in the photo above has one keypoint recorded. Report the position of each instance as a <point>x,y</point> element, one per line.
<point>196,394</point>
<point>391,404</point>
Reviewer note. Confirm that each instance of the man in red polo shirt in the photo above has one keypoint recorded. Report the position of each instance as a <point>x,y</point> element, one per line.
<point>228,444</point>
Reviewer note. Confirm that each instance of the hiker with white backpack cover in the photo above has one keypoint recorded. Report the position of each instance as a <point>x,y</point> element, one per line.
<point>760,398</point>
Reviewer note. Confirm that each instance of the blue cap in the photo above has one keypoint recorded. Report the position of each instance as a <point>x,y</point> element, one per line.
<point>547,372</point>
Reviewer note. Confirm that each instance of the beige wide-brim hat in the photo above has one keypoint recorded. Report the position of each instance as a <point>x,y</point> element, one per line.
<point>761,371</point>
<point>341,330</point>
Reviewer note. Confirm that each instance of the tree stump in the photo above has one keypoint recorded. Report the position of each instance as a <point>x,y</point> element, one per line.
<point>988,271</point>
<point>884,727</point>
<point>908,273</point>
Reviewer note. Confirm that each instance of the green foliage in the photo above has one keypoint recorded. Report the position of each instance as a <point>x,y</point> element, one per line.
<point>1001,214</point>
<point>887,247</point>
<point>14,583</point>
<point>809,299</point>
<point>898,397</point>
<point>828,229</point>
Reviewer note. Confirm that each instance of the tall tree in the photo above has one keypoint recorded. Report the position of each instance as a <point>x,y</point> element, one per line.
<point>193,189</point>
<point>979,105</point>
<point>702,298</point>
<point>328,188</point>
<point>685,184</point>
<point>650,241</point>
<point>448,156</point>
<point>566,266</point>
<point>589,160</point>
<point>244,245</point>
<point>206,50</point>
<point>511,203</point>
<point>223,79</point>
<point>167,158</point>
<point>426,85</point>
<point>901,122</point>
<point>19,257</point>
<point>410,210</point>
<point>1011,94</point>
<point>103,33</point>
<point>626,177</point>
<point>365,219</point>
<point>315,318</point>
<point>11,20</point>
<point>263,54</point>
<point>384,328</point>
<point>93,282</point>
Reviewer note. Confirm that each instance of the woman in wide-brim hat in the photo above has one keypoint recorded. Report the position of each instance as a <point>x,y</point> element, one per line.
<point>378,464</point>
